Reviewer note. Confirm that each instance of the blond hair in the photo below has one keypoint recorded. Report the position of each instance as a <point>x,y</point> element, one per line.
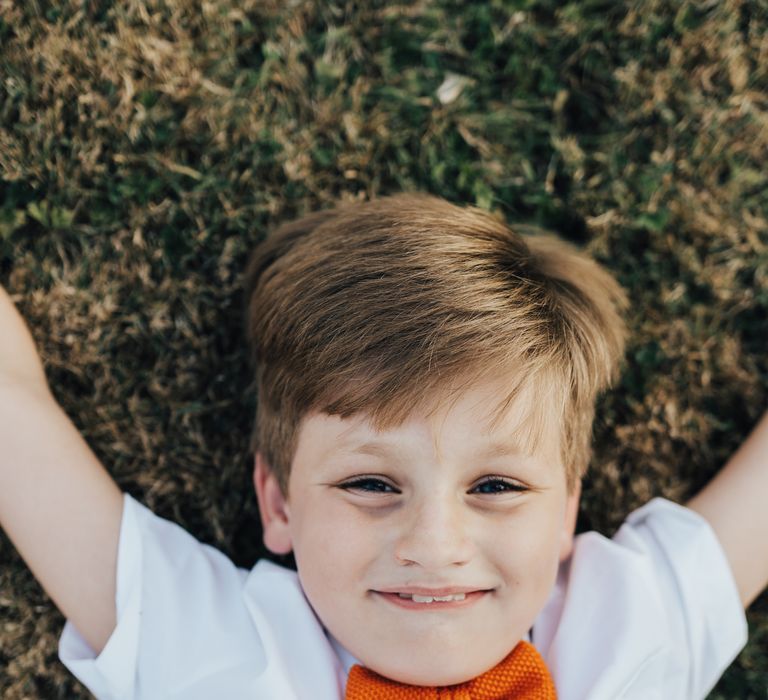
<point>377,307</point>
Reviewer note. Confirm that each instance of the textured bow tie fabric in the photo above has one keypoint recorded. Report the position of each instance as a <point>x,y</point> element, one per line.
<point>522,675</point>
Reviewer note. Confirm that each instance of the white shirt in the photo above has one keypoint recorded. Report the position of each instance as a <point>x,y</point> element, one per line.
<point>652,614</point>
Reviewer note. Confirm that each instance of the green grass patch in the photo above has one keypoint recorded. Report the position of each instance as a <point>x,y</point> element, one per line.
<point>145,147</point>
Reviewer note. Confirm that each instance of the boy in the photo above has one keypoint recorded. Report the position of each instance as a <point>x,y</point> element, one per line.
<point>426,382</point>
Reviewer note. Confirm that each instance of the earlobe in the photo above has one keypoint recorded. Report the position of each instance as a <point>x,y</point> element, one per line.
<point>569,522</point>
<point>273,508</point>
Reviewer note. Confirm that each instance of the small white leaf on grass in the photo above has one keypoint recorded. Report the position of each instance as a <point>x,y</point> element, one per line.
<point>451,87</point>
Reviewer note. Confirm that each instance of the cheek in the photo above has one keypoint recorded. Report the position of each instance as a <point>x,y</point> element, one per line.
<point>313,532</point>
<point>545,556</point>
<point>532,548</point>
<point>330,544</point>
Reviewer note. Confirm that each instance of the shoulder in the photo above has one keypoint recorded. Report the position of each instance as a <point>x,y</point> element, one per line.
<point>190,621</point>
<point>660,591</point>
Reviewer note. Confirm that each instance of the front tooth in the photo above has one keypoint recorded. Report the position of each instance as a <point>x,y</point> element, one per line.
<point>422,598</point>
<point>416,598</point>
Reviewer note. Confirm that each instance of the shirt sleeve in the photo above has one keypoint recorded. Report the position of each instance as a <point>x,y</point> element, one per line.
<point>652,613</point>
<point>697,587</point>
<point>180,614</point>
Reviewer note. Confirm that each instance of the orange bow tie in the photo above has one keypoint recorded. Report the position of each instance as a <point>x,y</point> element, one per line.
<point>522,675</point>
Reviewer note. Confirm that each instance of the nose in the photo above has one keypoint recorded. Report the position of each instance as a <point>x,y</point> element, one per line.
<point>435,533</point>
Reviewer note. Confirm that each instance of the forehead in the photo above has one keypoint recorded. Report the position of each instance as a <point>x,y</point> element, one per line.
<point>476,417</point>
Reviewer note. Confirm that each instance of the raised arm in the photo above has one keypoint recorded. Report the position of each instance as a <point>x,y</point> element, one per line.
<point>58,505</point>
<point>734,503</point>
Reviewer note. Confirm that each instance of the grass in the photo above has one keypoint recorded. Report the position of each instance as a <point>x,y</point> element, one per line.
<point>146,146</point>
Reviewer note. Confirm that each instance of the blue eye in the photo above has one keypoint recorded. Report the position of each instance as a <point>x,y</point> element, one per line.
<point>369,484</point>
<point>493,486</point>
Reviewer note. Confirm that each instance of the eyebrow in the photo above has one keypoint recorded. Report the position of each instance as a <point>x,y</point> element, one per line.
<point>505,449</point>
<point>496,449</point>
<point>375,449</point>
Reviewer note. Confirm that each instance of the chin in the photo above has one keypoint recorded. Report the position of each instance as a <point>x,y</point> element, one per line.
<point>431,673</point>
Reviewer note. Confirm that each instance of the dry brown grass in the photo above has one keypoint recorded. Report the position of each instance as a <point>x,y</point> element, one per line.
<point>145,146</point>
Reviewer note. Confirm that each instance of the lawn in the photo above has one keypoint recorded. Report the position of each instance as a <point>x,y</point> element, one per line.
<point>145,147</point>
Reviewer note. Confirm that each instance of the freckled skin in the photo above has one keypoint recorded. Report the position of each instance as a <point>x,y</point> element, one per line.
<point>431,503</point>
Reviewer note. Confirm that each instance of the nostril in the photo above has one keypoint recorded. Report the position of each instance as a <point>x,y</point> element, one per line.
<point>447,549</point>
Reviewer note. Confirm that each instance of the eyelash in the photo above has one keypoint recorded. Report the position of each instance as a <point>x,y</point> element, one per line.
<point>362,481</point>
<point>508,486</point>
<point>499,486</point>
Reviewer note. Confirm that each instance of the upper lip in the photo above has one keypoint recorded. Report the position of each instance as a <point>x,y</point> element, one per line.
<point>426,590</point>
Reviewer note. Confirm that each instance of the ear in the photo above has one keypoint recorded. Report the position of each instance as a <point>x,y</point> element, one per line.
<point>273,508</point>
<point>569,522</point>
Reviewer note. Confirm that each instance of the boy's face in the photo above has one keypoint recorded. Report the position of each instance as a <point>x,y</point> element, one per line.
<point>442,505</point>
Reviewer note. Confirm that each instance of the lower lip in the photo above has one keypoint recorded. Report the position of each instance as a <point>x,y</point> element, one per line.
<point>408,604</point>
